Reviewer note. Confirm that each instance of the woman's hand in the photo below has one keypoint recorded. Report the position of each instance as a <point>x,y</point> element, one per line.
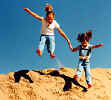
<point>27,9</point>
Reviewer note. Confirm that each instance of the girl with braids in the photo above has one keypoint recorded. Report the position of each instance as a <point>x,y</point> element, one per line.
<point>84,55</point>
<point>47,31</point>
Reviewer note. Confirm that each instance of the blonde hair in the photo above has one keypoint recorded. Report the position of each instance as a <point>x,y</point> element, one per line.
<point>48,8</point>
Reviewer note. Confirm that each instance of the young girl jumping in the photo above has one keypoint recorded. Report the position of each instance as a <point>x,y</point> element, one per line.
<point>84,56</point>
<point>47,31</point>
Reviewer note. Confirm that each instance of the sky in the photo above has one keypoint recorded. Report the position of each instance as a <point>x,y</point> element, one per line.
<point>20,33</point>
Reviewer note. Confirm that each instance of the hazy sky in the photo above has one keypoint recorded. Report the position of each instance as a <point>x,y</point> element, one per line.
<point>20,33</point>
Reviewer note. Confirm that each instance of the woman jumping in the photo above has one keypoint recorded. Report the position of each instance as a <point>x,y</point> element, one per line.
<point>47,31</point>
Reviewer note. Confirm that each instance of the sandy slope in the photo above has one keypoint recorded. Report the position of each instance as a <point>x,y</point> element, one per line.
<point>52,84</point>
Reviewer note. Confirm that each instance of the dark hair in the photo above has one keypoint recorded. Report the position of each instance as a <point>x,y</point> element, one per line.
<point>84,36</point>
<point>89,34</point>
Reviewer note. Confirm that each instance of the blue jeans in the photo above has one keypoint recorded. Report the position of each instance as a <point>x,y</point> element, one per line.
<point>48,40</point>
<point>86,66</point>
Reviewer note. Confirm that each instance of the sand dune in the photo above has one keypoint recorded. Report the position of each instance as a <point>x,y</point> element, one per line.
<point>52,84</point>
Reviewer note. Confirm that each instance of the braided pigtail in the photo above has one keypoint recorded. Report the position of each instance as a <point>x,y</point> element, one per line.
<point>89,34</point>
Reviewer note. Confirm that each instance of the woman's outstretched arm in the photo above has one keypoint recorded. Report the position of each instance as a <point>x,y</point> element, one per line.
<point>33,14</point>
<point>64,35</point>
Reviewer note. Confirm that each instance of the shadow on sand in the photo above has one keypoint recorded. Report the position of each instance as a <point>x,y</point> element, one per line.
<point>22,73</point>
<point>68,80</point>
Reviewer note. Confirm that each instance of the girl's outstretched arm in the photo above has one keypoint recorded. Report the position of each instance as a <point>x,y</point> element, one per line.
<point>97,46</point>
<point>33,14</point>
<point>64,35</point>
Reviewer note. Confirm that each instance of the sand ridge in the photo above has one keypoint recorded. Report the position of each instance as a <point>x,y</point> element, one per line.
<point>52,84</point>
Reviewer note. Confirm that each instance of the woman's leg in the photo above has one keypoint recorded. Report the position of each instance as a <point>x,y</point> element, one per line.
<point>41,45</point>
<point>52,46</point>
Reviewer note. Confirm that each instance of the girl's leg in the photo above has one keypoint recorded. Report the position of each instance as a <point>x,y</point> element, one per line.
<point>88,74</point>
<point>79,70</point>
<point>41,45</point>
